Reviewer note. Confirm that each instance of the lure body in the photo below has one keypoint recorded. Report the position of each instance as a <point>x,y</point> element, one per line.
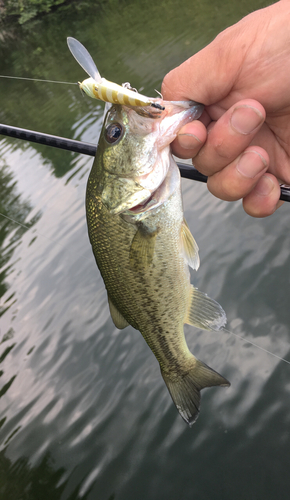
<point>112,92</point>
<point>100,88</point>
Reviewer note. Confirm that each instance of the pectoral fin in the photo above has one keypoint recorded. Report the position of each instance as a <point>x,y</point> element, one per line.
<point>189,246</point>
<point>204,312</point>
<point>118,320</point>
<point>142,248</point>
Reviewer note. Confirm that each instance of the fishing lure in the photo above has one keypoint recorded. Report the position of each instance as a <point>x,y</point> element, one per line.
<point>100,88</point>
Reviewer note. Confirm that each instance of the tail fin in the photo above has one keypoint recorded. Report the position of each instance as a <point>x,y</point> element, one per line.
<point>185,388</point>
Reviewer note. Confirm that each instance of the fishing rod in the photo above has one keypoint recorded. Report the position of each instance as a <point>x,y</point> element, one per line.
<point>186,171</point>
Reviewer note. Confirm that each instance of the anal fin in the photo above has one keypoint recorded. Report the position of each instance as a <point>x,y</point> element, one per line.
<point>204,312</point>
<point>118,320</point>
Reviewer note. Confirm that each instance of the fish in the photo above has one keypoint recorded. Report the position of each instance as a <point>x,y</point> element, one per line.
<point>143,246</point>
<point>97,87</point>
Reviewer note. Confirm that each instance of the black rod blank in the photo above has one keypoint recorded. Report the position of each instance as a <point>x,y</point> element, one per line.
<point>49,140</point>
<point>186,171</point>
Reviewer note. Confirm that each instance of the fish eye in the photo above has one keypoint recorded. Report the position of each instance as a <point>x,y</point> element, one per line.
<point>113,133</point>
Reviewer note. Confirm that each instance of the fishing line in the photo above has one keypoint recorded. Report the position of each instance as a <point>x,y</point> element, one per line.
<point>256,345</point>
<point>186,171</point>
<point>36,79</point>
<point>30,227</point>
<point>15,221</point>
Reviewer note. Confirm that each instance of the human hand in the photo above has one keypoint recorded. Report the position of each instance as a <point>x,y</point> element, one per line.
<point>242,140</point>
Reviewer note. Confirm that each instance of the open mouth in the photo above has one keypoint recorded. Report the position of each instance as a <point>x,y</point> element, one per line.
<point>142,207</point>
<point>161,194</point>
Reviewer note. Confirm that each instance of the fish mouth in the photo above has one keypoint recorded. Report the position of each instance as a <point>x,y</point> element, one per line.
<point>148,204</point>
<point>119,193</point>
<point>158,197</point>
<point>150,187</point>
<point>126,205</point>
<point>142,210</point>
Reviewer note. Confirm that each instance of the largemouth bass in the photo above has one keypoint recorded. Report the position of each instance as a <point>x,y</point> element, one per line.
<point>143,246</point>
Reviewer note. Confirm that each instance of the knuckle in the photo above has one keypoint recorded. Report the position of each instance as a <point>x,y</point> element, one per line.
<point>223,150</point>
<point>224,190</point>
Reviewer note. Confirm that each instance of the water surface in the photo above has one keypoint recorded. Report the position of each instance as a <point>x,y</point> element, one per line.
<point>84,412</point>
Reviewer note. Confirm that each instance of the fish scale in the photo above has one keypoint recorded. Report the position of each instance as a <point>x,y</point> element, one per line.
<point>124,283</point>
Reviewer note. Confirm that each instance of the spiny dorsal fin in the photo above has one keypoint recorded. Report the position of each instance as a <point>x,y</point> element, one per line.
<point>204,312</point>
<point>117,317</point>
<point>189,246</point>
<point>142,248</point>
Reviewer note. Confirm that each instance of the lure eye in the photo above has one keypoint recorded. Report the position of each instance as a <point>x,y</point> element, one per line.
<point>113,133</point>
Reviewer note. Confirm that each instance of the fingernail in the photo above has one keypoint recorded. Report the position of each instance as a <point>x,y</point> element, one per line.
<point>246,119</point>
<point>251,164</point>
<point>188,141</point>
<point>264,186</point>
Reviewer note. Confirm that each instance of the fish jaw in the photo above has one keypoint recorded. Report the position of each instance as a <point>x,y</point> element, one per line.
<point>144,137</point>
<point>133,168</point>
<point>134,154</point>
<point>163,132</point>
<point>162,129</point>
<point>179,113</point>
<point>164,177</point>
<point>138,203</point>
<point>159,197</point>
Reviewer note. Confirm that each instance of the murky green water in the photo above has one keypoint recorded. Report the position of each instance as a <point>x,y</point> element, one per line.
<point>84,412</point>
